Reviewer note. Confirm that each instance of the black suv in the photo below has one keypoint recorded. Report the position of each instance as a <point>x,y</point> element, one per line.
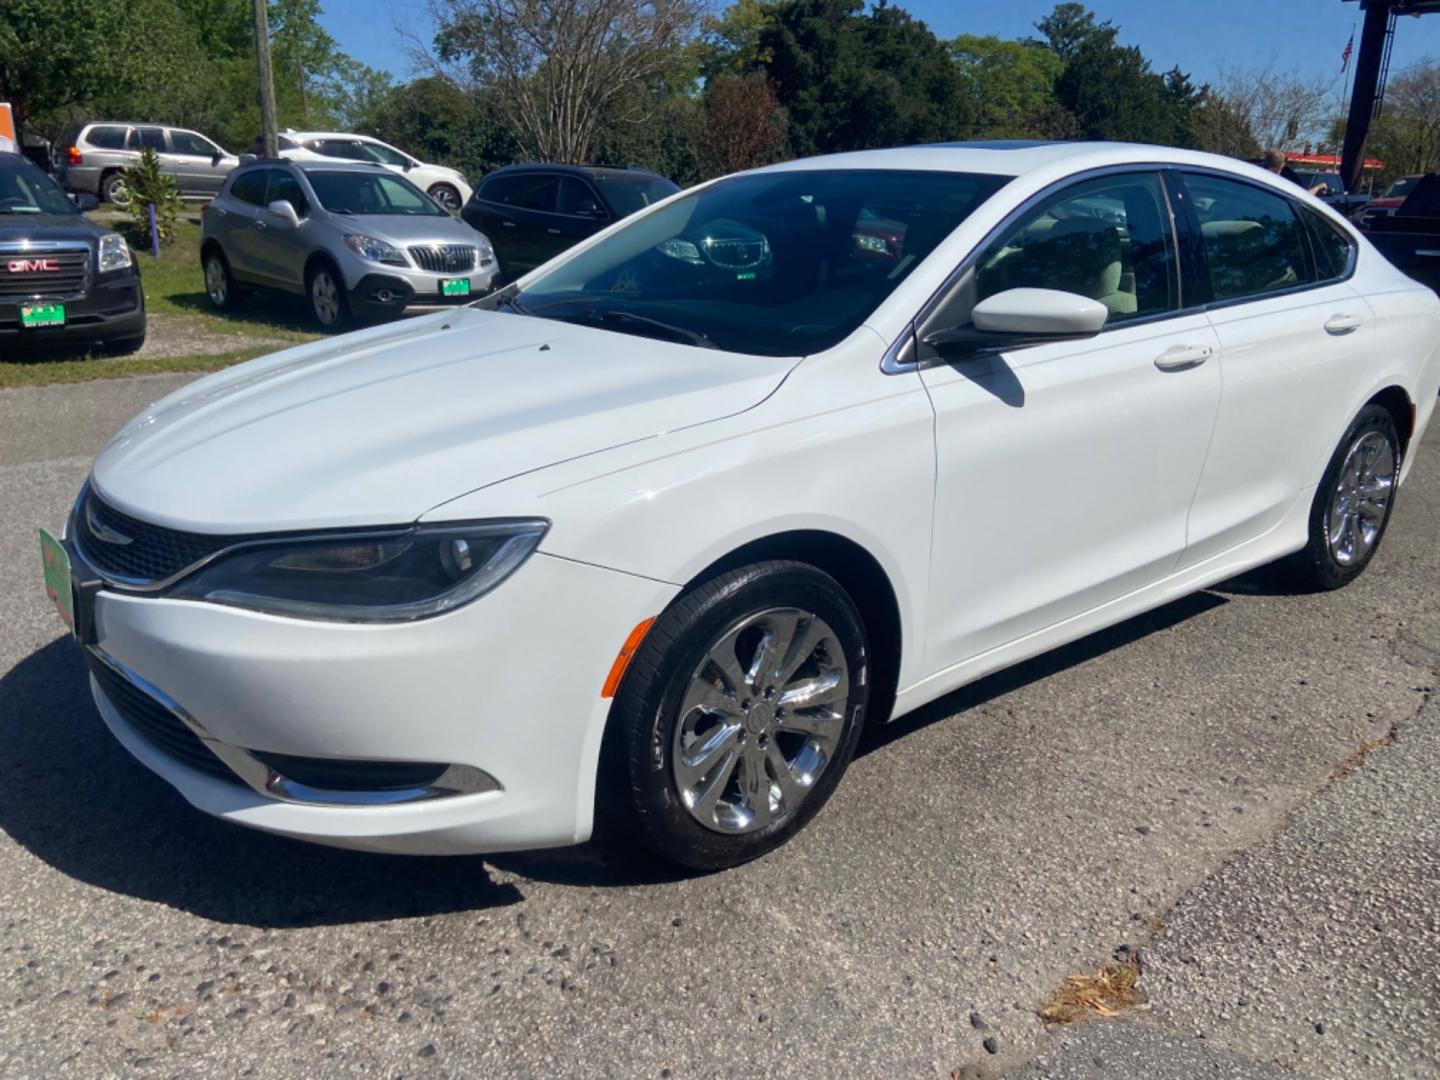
<point>61,277</point>
<point>531,213</point>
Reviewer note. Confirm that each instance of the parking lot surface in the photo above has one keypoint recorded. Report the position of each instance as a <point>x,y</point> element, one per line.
<point>1241,785</point>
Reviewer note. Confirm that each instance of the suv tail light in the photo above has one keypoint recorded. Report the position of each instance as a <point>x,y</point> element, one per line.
<point>73,157</point>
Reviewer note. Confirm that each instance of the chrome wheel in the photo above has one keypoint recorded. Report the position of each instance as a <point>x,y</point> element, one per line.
<point>215,282</point>
<point>446,196</point>
<point>1361,498</point>
<point>761,718</point>
<point>325,298</point>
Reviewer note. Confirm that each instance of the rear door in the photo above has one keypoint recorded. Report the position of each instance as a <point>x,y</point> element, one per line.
<point>492,213</point>
<point>242,226</point>
<point>1294,344</point>
<point>537,230</point>
<point>152,138</point>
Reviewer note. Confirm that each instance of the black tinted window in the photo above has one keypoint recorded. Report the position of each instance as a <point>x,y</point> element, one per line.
<point>250,186</point>
<point>627,194</point>
<point>578,198</point>
<point>148,139</point>
<point>539,193</point>
<point>501,189</point>
<point>348,149</point>
<point>106,138</point>
<point>1106,239</point>
<point>284,187</point>
<point>1253,241</point>
<point>1333,249</point>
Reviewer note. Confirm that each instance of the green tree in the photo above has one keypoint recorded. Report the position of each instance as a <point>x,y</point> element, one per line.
<point>1071,25</point>
<point>850,79</point>
<point>1010,83</point>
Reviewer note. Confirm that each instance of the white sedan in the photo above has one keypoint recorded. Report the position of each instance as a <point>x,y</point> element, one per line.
<point>446,186</point>
<point>653,532</point>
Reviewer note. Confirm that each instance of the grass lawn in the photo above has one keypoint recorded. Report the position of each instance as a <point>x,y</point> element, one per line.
<point>185,332</point>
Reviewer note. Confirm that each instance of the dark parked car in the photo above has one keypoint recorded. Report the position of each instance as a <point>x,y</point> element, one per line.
<point>62,278</point>
<point>1334,195</point>
<point>1410,237</point>
<point>531,213</point>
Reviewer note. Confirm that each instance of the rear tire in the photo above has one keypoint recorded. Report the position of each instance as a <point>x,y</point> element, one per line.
<point>446,196</point>
<point>220,284</point>
<point>738,715</point>
<point>113,189</point>
<point>326,295</point>
<point>1352,505</point>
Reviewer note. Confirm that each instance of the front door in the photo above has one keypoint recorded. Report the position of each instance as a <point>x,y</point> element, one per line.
<point>1066,470</point>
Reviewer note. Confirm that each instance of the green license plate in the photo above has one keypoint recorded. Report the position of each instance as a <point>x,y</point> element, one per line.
<point>57,577</point>
<point>454,286</point>
<point>42,314</point>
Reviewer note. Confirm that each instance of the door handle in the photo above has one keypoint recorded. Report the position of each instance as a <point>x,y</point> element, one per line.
<point>261,225</point>
<point>1183,357</point>
<point>508,224</point>
<point>1342,324</point>
<point>553,232</point>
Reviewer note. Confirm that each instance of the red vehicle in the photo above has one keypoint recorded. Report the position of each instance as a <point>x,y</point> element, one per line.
<point>1394,195</point>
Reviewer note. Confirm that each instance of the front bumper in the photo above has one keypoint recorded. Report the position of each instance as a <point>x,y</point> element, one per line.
<point>112,310</point>
<point>391,291</point>
<point>507,687</point>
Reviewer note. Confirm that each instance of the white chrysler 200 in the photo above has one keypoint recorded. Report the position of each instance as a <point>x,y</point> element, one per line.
<point>659,527</point>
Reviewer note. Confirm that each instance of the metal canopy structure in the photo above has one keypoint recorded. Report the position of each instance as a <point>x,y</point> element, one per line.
<point>1372,59</point>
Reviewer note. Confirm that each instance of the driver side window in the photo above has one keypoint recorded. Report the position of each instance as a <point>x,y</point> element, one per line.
<point>1107,239</point>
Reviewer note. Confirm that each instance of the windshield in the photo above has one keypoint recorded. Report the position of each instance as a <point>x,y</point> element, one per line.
<point>627,194</point>
<point>24,189</point>
<point>370,193</point>
<point>1402,187</point>
<point>773,264</point>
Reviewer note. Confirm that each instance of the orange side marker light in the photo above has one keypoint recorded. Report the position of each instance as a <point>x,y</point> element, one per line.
<point>622,661</point>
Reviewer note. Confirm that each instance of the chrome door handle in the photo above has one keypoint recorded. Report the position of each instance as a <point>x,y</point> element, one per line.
<point>261,225</point>
<point>553,232</point>
<point>1183,357</point>
<point>1342,324</point>
<point>508,224</point>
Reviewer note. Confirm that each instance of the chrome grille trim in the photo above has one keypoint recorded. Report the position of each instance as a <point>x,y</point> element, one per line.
<point>71,282</point>
<point>444,258</point>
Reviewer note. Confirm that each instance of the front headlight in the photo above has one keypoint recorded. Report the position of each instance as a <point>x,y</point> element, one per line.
<point>487,250</point>
<point>368,247</point>
<point>114,253</point>
<point>372,576</point>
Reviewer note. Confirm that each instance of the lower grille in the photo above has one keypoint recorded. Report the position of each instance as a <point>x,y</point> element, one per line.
<point>43,274</point>
<point>444,258</point>
<point>154,722</point>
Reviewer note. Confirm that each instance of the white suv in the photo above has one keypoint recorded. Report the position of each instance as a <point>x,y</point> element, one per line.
<point>445,186</point>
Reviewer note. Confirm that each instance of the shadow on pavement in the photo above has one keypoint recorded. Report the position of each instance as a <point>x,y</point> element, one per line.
<point>1041,667</point>
<point>75,799</point>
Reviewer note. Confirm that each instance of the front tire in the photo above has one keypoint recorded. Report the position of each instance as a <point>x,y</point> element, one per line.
<point>1352,505</point>
<point>329,302</point>
<point>739,714</point>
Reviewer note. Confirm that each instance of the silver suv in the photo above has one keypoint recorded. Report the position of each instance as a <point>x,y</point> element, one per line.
<point>91,157</point>
<point>355,240</point>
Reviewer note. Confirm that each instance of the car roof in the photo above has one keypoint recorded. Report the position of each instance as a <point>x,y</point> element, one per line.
<point>1014,157</point>
<point>289,134</point>
<point>573,170</point>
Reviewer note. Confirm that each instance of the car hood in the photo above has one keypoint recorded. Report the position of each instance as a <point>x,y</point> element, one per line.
<point>404,229</point>
<point>15,228</point>
<point>380,426</point>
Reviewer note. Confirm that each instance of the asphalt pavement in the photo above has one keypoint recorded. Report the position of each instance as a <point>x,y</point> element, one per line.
<point>1241,785</point>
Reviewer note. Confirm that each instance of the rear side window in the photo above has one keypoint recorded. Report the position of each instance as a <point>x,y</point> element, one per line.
<point>348,149</point>
<point>541,193</point>
<point>1334,251</point>
<point>1253,241</point>
<point>250,186</point>
<point>106,138</point>
<point>148,139</point>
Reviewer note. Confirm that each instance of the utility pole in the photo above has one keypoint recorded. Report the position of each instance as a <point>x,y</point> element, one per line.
<point>267,80</point>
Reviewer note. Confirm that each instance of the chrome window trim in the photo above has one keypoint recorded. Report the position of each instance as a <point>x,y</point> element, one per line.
<point>263,780</point>
<point>890,363</point>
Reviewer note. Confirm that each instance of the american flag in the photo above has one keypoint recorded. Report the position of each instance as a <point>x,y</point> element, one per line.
<point>1345,56</point>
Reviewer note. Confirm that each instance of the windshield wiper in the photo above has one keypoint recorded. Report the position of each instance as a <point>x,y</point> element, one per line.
<point>675,333</point>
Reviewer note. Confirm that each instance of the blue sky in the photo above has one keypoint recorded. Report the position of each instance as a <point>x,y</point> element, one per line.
<point>1201,36</point>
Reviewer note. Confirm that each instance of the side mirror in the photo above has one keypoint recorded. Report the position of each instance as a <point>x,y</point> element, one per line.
<point>85,202</point>
<point>217,157</point>
<point>282,209</point>
<point>1020,317</point>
